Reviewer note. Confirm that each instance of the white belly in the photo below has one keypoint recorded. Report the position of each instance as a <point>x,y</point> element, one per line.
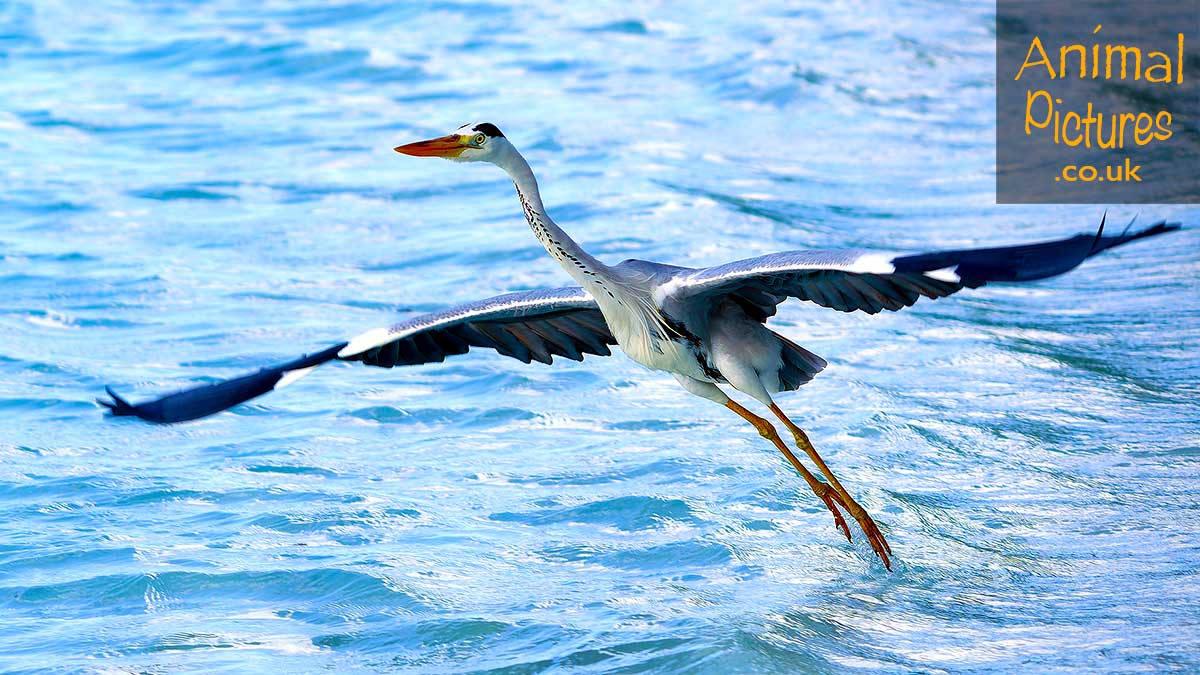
<point>641,338</point>
<point>666,355</point>
<point>636,336</point>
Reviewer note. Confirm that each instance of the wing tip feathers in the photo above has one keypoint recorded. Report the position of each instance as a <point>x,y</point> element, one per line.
<point>118,406</point>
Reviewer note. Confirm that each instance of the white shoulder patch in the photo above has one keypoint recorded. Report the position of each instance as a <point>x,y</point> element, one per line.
<point>945,274</point>
<point>873,263</point>
<point>668,289</point>
<point>368,340</point>
<point>291,376</point>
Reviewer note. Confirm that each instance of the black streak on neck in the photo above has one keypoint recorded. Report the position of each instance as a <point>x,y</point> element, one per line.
<point>552,245</point>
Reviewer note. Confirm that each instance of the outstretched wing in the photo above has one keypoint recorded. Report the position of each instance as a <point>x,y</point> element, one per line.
<point>532,325</point>
<point>872,281</point>
<point>529,326</point>
<point>206,399</point>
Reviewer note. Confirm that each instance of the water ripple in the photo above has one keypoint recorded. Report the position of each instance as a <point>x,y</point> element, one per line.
<point>192,190</point>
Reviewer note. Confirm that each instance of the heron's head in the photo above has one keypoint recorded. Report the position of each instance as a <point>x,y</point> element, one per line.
<point>475,142</point>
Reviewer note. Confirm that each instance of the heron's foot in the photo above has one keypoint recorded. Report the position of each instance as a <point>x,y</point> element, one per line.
<point>874,535</point>
<point>833,499</point>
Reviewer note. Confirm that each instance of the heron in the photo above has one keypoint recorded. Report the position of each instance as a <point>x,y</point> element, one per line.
<point>705,326</point>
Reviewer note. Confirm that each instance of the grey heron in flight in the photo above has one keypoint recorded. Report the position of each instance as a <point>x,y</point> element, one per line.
<point>704,326</point>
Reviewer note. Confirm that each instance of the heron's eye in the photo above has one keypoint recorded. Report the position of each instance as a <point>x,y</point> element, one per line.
<point>479,139</point>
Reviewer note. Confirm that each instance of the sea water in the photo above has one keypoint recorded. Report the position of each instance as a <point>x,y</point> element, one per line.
<point>190,190</point>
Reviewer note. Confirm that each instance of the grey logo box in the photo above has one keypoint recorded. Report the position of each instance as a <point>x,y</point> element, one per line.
<point>1097,102</point>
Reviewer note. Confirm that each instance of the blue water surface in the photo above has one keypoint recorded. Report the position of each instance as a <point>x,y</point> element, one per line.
<point>189,190</point>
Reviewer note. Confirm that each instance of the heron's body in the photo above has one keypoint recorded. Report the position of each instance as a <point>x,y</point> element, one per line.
<point>705,326</point>
<point>712,345</point>
<point>702,344</point>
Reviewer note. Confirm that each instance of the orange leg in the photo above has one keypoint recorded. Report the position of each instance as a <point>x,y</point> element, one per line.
<point>882,549</point>
<point>830,496</point>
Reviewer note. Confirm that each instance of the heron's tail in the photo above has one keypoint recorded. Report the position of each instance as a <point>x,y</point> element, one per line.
<point>799,364</point>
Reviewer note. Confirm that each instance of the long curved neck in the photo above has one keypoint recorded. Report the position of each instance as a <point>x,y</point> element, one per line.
<point>578,263</point>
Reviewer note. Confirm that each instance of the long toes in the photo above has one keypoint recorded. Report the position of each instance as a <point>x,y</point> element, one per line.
<point>887,563</point>
<point>881,548</point>
<point>833,500</point>
<point>875,536</point>
<point>838,520</point>
<point>829,494</point>
<point>887,547</point>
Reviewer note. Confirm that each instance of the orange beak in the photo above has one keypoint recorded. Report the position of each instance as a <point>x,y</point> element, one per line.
<point>446,146</point>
